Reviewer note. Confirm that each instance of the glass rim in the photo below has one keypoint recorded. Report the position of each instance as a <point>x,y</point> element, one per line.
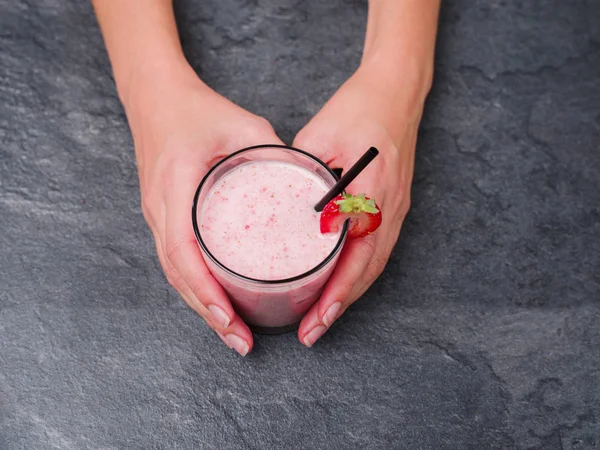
<point>326,260</point>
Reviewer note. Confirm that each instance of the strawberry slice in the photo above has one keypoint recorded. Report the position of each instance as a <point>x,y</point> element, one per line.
<point>363,213</point>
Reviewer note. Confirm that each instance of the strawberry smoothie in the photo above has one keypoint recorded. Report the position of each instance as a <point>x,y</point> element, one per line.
<point>259,221</point>
<point>255,222</point>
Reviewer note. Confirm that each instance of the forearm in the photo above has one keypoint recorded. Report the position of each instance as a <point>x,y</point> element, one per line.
<point>400,43</point>
<point>143,45</point>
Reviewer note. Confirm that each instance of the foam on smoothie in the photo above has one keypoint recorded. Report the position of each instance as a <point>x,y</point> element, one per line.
<point>258,220</point>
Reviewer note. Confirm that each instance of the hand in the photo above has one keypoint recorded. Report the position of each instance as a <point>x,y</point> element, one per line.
<point>179,132</point>
<point>363,113</point>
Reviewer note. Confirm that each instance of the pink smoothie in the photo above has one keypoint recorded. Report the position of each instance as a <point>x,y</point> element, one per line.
<point>258,220</point>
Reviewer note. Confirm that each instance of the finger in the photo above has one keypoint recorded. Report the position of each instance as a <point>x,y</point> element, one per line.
<point>186,266</point>
<point>350,279</point>
<point>233,331</point>
<point>234,336</point>
<point>353,273</point>
<point>182,288</point>
<point>184,259</point>
<point>342,289</point>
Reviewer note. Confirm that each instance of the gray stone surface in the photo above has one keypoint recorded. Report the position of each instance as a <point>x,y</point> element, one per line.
<point>483,332</point>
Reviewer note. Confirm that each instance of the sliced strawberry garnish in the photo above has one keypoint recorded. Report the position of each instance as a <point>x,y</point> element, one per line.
<point>363,213</point>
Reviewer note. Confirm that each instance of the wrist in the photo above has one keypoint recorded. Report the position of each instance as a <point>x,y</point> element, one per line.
<point>397,90</point>
<point>153,95</point>
<point>149,80</point>
<point>399,45</point>
<point>408,76</point>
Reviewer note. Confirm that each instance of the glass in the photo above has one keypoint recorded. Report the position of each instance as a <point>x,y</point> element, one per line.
<point>268,306</point>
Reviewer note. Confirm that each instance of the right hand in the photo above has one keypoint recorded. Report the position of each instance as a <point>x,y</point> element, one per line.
<point>180,131</point>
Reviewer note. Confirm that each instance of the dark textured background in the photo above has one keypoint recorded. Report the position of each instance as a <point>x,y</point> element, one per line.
<point>483,332</point>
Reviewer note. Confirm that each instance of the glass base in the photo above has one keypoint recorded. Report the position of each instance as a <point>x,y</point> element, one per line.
<point>274,330</point>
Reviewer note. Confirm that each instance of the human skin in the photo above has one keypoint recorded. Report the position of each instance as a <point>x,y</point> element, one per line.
<point>181,127</point>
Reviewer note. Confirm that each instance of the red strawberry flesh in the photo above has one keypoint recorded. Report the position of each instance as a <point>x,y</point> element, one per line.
<point>363,213</point>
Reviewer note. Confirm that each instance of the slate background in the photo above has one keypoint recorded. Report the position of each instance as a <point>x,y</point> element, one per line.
<point>483,332</point>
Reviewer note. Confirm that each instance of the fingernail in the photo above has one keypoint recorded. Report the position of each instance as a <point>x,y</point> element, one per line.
<point>223,338</point>
<point>314,334</point>
<point>331,313</point>
<point>219,315</point>
<point>238,344</point>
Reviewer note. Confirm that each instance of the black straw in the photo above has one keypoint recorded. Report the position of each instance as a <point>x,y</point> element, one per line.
<point>352,173</point>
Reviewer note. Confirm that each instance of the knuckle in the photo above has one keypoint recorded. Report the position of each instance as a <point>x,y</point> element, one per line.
<point>405,206</point>
<point>147,206</point>
<point>173,249</point>
<point>346,287</point>
<point>172,282</point>
<point>197,286</point>
<point>309,138</point>
<point>404,191</point>
<point>256,130</point>
<point>368,247</point>
<point>400,203</point>
<point>302,138</point>
<point>376,266</point>
<point>407,203</point>
<point>173,276</point>
<point>263,125</point>
<point>151,201</point>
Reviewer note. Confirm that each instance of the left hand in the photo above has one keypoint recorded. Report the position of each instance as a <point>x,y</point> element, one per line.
<point>364,113</point>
